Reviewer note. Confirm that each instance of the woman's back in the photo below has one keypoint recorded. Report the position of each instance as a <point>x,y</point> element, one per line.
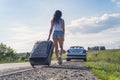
<point>58,26</point>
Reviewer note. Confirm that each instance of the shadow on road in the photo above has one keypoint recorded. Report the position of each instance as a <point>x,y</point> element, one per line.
<point>68,65</point>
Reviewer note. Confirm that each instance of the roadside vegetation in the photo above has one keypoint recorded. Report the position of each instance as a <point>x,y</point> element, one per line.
<point>8,55</point>
<point>104,64</point>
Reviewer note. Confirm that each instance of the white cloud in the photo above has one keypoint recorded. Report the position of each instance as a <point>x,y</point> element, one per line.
<point>24,38</point>
<point>21,29</point>
<point>106,39</point>
<point>94,24</point>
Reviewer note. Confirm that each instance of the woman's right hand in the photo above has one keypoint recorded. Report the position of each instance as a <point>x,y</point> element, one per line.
<point>48,38</point>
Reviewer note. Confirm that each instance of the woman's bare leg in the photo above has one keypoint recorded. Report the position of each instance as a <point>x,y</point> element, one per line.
<point>60,40</point>
<point>56,47</point>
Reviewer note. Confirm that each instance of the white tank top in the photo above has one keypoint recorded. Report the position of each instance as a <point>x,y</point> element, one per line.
<point>58,27</point>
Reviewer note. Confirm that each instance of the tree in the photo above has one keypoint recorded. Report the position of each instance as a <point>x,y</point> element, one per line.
<point>89,48</point>
<point>7,54</point>
<point>23,57</point>
<point>102,48</point>
<point>97,48</point>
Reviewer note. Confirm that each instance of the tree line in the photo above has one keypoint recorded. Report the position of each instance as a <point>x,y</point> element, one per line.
<point>7,55</point>
<point>97,48</point>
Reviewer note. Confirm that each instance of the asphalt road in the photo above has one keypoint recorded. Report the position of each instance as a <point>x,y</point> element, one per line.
<point>8,66</point>
<point>11,67</point>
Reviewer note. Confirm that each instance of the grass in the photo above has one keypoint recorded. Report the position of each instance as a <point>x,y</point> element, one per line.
<point>105,64</point>
<point>54,57</point>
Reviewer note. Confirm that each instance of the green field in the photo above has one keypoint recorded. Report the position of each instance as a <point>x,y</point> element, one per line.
<point>104,64</point>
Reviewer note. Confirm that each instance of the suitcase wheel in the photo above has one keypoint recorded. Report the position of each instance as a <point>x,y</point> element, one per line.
<point>32,65</point>
<point>48,65</point>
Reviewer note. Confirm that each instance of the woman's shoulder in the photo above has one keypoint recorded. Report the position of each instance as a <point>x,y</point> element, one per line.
<point>62,20</point>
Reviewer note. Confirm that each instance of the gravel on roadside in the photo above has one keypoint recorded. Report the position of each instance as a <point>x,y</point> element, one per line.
<point>72,70</point>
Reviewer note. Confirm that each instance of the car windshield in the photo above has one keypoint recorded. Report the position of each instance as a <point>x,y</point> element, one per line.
<point>76,47</point>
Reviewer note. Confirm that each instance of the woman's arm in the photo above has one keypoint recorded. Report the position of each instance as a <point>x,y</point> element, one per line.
<point>63,25</point>
<point>51,29</point>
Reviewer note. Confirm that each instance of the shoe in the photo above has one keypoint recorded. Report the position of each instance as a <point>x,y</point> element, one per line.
<point>60,60</point>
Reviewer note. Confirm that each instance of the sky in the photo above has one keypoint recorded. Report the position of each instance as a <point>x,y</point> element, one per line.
<point>88,23</point>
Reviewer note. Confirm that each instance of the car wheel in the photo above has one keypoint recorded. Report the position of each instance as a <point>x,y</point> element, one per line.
<point>85,59</point>
<point>68,59</point>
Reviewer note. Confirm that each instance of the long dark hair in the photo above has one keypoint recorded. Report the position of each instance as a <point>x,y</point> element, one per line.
<point>57,16</point>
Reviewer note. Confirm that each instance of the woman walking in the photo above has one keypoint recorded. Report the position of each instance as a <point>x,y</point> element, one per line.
<point>58,29</point>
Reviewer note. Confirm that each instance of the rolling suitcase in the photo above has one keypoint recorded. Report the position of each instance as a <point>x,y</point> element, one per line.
<point>41,53</point>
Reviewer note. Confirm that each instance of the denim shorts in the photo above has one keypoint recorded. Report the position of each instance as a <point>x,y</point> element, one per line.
<point>58,34</point>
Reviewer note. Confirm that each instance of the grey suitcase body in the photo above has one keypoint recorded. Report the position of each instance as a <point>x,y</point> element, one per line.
<point>42,53</point>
